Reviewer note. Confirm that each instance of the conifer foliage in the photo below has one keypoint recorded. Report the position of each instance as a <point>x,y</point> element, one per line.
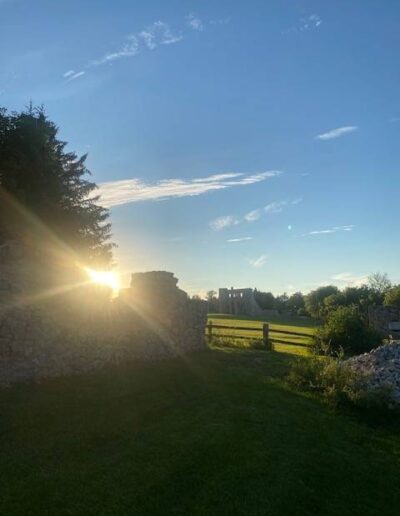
<point>41,181</point>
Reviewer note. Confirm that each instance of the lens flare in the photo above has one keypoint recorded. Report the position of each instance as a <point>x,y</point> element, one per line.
<point>106,278</point>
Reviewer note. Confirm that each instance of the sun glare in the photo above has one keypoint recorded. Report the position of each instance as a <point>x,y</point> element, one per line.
<point>106,278</point>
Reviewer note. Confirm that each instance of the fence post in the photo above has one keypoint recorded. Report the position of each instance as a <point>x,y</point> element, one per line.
<point>209,327</point>
<point>266,335</point>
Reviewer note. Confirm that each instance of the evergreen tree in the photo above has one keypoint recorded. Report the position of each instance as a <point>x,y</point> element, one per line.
<point>43,185</point>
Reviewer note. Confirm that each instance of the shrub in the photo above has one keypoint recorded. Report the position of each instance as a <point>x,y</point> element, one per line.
<point>337,383</point>
<point>305,373</point>
<point>302,312</point>
<point>232,342</point>
<point>345,330</point>
<point>259,344</point>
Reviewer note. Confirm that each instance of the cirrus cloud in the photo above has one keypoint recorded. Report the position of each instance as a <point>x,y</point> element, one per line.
<point>223,222</point>
<point>241,239</point>
<point>259,262</point>
<point>194,22</point>
<point>115,193</point>
<point>272,207</point>
<point>328,231</point>
<point>337,133</point>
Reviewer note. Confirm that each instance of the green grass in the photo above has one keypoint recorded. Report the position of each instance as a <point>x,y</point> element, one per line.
<point>215,433</point>
<point>286,323</point>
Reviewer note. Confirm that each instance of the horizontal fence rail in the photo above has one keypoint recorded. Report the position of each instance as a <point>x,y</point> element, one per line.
<point>266,333</point>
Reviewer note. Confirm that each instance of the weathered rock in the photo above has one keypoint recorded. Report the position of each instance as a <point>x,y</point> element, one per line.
<point>380,317</point>
<point>73,335</point>
<point>381,368</point>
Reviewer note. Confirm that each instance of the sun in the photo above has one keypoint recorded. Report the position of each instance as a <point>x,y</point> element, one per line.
<point>106,278</point>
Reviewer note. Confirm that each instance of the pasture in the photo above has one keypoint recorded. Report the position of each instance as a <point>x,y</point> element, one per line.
<point>217,432</point>
<point>296,324</point>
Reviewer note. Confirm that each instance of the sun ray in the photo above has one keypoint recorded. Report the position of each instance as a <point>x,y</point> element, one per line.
<point>106,278</point>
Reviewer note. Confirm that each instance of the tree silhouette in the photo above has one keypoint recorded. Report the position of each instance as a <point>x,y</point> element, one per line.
<point>40,181</point>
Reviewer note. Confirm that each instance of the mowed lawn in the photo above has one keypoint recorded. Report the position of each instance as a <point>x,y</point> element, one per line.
<point>296,324</point>
<point>215,433</point>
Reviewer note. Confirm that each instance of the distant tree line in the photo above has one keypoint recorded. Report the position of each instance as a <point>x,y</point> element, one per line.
<point>295,303</point>
<point>319,303</point>
<point>345,328</point>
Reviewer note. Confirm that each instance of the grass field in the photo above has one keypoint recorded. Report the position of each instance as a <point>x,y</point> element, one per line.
<point>215,433</point>
<point>296,324</point>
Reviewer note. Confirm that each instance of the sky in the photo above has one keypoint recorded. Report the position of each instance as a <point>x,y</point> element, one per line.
<point>245,144</point>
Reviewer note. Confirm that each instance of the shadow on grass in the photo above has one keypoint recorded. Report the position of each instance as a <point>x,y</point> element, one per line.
<point>276,365</point>
<point>216,432</point>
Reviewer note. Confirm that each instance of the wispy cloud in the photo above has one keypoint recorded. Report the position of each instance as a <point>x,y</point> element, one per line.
<point>242,239</point>
<point>129,49</point>
<point>272,207</point>
<point>275,207</point>
<point>253,215</point>
<point>194,22</point>
<point>311,22</point>
<point>158,33</point>
<point>77,75</point>
<point>335,229</point>
<point>149,39</point>
<point>253,178</point>
<point>278,206</point>
<point>350,280</point>
<point>219,177</point>
<point>220,21</point>
<point>223,222</point>
<point>114,193</point>
<point>259,262</point>
<point>337,133</point>
<point>70,75</point>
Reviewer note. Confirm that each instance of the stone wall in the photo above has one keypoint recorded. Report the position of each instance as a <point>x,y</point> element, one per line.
<point>238,301</point>
<point>380,316</point>
<point>65,335</point>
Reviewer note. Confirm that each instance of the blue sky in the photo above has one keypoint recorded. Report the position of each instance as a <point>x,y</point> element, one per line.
<point>236,143</point>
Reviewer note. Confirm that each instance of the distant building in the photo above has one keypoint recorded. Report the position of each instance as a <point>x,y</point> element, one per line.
<point>238,301</point>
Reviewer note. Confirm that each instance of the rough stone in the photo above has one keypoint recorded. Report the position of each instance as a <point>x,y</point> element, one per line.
<point>238,301</point>
<point>381,368</point>
<point>381,317</point>
<point>152,320</point>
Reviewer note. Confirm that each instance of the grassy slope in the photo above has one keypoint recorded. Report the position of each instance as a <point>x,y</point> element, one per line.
<point>216,433</point>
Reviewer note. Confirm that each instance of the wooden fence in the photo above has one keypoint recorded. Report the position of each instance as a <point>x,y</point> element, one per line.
<point>267,333</point>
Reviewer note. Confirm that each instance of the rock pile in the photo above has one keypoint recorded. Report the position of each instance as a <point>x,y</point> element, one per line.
<point>381,367</point>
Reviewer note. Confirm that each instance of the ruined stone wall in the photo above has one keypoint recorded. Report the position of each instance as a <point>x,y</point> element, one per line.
<point>380,316</point>
<point>238,301</point>
<point>68,334</point>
